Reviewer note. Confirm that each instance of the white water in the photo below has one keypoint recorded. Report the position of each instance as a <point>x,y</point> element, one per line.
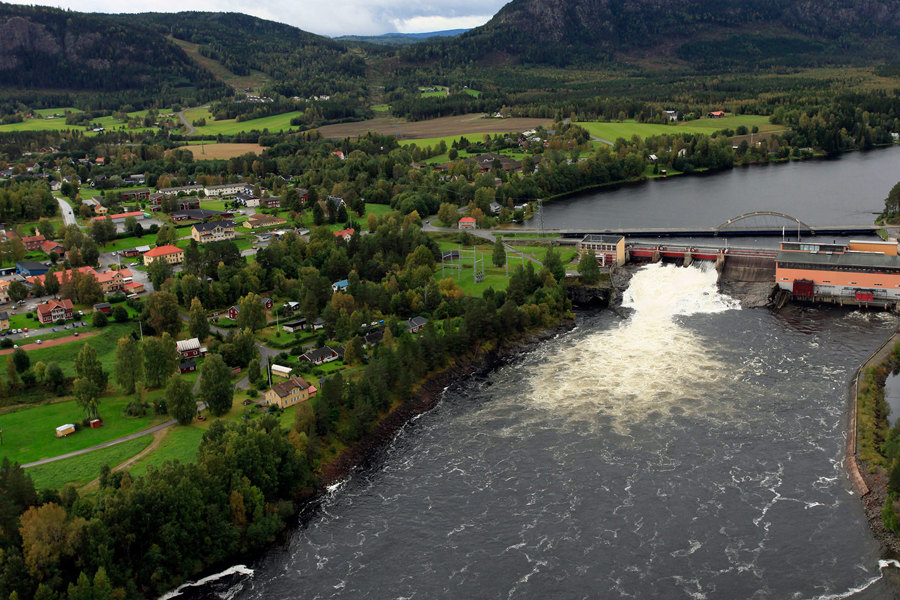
<point>651,360</point>
<point>235,570</point>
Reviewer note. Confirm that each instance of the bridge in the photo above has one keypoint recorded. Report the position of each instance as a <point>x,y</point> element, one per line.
<point>751,224</point>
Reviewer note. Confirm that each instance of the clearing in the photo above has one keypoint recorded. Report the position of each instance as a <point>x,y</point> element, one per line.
<point>610,131</point>
<point>222,151</point>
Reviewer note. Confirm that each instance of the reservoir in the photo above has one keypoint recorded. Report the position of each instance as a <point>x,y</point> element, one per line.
<point>685,449</point>
<point>840,191</point>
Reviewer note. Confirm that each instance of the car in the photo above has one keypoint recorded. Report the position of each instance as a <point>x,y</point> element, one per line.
<point>26,329</point>
<point>25,335</point>
<point>84,324</point>
<point>55,329</point>
<point>76,334</point>
<point>68,326</point>
<point>38,341</point>
<point>15,346</point>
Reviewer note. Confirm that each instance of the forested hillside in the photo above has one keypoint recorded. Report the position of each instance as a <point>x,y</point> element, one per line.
<point>301,63</point>
<point>47,48</point>
<point>724,33</point>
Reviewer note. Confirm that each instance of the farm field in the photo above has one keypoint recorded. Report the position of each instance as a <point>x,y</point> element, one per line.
<point>85,468</point>
<point>471,124</point>
<point>221,151</point>
<point>610,131</point>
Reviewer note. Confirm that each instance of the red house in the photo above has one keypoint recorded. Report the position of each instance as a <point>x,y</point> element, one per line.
<point>467,223</point>
<point>33,242</point>
<point>187,366</point>
<point>190,348</point>
<point>345,234</point>
<point>54,310</point>
<point>271,202</point>
<point>233,312</point>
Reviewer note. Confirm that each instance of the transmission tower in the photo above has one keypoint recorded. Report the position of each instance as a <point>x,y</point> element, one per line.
<point>477,266</point>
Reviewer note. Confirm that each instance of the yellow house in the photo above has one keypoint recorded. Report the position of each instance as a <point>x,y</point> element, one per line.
<point>288,393</point>
<point>4,321</point>
<point>609,249</point>
<point>213,231</point>
<point>171,254</point>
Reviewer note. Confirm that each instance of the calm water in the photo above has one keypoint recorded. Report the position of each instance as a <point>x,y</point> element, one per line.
<point>689,450</point>
<point>843,191</point>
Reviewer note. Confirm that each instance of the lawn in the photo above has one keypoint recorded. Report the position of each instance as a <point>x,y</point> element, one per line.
<point>129,242</point>
<point>381,108</point>
<point>626,129</point>
<point>42,124</point>
<point>473,93</point>
<point>56,111</point>
<point>231,126</point>
<point>181,444</point>
<point>494,277</point>
<point>447,139</point>
<point>104,343</point>
<point>29,434</point>
<point>378,210</point>
<point>85,468</point>
<point>214,204</point>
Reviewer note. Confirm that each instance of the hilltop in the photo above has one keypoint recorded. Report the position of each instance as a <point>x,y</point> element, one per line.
<point>721,33</point>
<point>48,48</point>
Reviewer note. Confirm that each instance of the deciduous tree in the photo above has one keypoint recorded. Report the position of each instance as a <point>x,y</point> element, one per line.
<point>160,359</point>
<point>215,385</point>
<point>180,399</point>
<point>129,364</point>
<point>198,324</point>
<point>161,311</point>
<point>88,366</point>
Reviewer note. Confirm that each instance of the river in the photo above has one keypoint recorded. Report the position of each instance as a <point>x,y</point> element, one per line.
<point>841,191</point>
<point>688,449</point>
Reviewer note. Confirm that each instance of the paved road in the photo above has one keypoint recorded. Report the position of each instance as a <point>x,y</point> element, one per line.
<point>67,213</point>
<point>188,126</point>
<point>133,436</point>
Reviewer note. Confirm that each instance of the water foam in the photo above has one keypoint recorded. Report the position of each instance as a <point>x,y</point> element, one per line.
<point>882,565</point>
<point>235,570</point>
<point>649,362</point>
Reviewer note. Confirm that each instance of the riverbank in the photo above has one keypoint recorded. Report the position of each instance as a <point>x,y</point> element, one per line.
<point>426,397</point>
<point>869,481</point>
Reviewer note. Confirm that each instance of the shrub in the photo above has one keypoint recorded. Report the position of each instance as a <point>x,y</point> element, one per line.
<point>99,319</point>
<point>6,343</point>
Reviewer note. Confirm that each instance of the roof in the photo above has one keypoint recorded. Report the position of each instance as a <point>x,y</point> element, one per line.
<point>198,213</point>
<point>341,284</point>
<point>50,305</point>
<point>163,251</point>
<point>211,225</point>
<point>602,239</point>
<point>848,259</point>
<point>31,265</point>
<point>4,315</point>
<point>417,321</point>
<point>281,369</point>
<point>467,220</point>
<point>319,353</point>
<point>134,214</point>
<point>285,388</point>
<point>260,219</point>
<point>187,364</point>
<point>344,232</point>
<point>101,305</point>
<point>185,345</point>
<point>33,238</point>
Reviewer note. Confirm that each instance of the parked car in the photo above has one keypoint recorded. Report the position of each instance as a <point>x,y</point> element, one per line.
<point>55,329</point>
<point>26,329</point>
<point>15,346</point>
<point>76,334</point>
<point>68,326</point>
<point>38,341</point>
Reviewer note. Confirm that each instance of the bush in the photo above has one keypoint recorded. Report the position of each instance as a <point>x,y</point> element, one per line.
<point>30,315</point>
<point>99,319</point>
<point>252,393</point>
<point>59,322</point>
<point>136,408</point>
<point>120,314</point>
<point>6,343</point>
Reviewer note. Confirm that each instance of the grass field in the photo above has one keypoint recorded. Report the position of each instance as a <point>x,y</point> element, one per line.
<point>104,343</point>
<point>468,125</point>
<point>85,468</point>
<point>42,124</point>
<point>494,277</point>
<point>222,151</point>
<point>181,443</point>
<point>626,129</point>
<point>280,122</point>
<point>473,93</point>
<point>381,107</point>
<point>29,434</point>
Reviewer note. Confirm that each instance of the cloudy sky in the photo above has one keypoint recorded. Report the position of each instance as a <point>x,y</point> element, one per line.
<point>325,17</point>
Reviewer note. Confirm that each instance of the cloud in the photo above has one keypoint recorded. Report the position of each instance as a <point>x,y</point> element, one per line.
<point>325,17</point>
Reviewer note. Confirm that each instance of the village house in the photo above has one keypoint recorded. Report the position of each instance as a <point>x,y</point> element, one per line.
<point>190,348</point>
<point>4,290</point>
<point>226,189</point>
<point>29,268</point>
<point>333,203</point>
<point>339,286</point>
<point>609,249</point>
<point>467,223</point>
<point>416,324</point>
<point>55,310</point>
<point>120,217</point>
<point>136,179</point>
<point>171,254</point>
<point>319,355</point>
<point>248,199</point>
<point>258,221</point>
<point>103,307</point>
<point>188,366</point>
<point>51,246</point>
<point>33,242</point>
<point>290,392</point>
<point>138,194</point>
<point>198,214</point>
<point>716,114</point>
<point>345,234</point>
<point>271,202</point>
<point>213,231</point>
<point>184,189</point>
